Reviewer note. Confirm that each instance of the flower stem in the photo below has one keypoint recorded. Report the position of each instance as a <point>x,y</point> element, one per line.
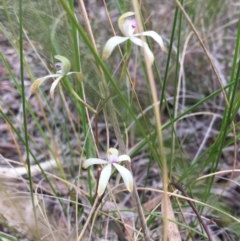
<point>82,101</point>
<point>93,210</point>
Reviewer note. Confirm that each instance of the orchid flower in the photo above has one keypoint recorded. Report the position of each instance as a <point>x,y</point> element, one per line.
<point>63,68</point>
<point>128,24</point>
<point>112,159</point>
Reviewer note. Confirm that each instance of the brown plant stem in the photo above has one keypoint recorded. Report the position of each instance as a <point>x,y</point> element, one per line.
<point>89,219</point>
<point>205,227</point>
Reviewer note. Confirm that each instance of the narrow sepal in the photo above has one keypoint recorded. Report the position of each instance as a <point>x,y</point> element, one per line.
<point>145,47</point>
<point>126,175</point>
<point>124,158</point>
<point>111,44</point>
<point>93,161</point>
<point>53,86</point>
<point>104,178</point>
<point>39,81</point>
<point>155,36</point>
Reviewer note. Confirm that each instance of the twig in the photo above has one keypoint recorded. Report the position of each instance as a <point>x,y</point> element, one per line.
<point>93,210</point>
<point>180,188</point>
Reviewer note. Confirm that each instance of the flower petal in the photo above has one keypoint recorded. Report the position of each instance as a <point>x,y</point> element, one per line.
<point>145,47</point>
<point>39,81</point>
<point>79,75</point>
<point>53,86</point>
<point>104,178</point>
<point>65,64</point>
<point>127,24</point>
<point>93,161</point>
<point>111,44</point>
<point>126,175</point>
<point>124,158</point>
<point>155,36</point>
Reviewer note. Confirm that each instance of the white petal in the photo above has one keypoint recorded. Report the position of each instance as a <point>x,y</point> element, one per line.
<point>111,44</point>
<point>93,161</point>
<point>53,86</point>
<point>145,47</point>
<point>126,175</point>
<point>79,75</point>
<point>39,81</point>
<point>124,158</point>
<point>155,36</point>
<point>104,178</point>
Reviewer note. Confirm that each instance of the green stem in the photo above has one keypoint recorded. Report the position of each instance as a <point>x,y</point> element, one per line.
<point>24,111</point>
<point>82,101</point>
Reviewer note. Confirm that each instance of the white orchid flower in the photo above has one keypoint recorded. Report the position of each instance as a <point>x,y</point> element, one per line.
<point>112,159</point>
<point>63,68</point>
<point>128,24</point>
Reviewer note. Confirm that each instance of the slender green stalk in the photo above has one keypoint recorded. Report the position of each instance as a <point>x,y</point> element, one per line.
<point>24,111</point>
<point>169,56</point>
<point>176,89</point>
